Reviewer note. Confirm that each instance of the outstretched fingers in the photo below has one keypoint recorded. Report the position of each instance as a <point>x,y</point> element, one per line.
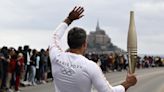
<point>81,16</point>
<point>76,13</point>
<point>81,10</point>
<point>78,9</point>
<point>74,9</point>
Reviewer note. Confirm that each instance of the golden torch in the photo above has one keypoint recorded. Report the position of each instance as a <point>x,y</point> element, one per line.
<point>132,44</point>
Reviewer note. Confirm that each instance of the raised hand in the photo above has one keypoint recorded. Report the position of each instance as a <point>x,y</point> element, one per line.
<point>75,14</point>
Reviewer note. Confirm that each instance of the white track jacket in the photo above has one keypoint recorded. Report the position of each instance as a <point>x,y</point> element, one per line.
<point>73,72</point>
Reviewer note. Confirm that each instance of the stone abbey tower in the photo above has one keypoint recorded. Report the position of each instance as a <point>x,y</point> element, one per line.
<point>99,42</point>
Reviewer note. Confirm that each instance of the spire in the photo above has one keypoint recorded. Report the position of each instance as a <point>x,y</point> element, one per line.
<point>97,26</point>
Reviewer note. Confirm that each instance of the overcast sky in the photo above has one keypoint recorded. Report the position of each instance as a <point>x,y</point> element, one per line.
<point>32,21</point>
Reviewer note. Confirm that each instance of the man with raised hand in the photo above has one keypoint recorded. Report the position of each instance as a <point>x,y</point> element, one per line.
<point>72,72</point>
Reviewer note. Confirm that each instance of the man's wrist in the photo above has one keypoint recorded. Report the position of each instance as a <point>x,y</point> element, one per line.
<point>126,85</point>
<point>68,21</point>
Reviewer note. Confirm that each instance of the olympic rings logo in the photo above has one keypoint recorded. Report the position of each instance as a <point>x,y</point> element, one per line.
<point>67,71</point>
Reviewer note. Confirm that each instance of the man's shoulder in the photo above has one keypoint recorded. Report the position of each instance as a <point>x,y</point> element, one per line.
<point>89,63</point>
<point>87,60</point>
<point>75,57</point>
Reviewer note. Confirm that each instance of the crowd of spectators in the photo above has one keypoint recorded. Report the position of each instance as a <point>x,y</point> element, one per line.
<point>23,66</point>
<point>118,62</point>
<point>150,61</point>
<point>26,66</point>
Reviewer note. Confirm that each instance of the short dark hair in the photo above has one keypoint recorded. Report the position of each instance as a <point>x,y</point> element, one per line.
<point>76,37</point>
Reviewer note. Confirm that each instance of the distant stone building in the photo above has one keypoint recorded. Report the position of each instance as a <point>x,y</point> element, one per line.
<point>99,42</point>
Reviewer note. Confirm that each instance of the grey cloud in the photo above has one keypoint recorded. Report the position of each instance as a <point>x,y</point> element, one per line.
<point>112,14</point>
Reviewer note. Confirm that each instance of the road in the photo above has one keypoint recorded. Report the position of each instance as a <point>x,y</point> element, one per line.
<point>149,80</point>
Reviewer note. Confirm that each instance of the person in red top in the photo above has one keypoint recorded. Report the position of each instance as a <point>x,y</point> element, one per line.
<point>11,67</point>
<point>19,69</point>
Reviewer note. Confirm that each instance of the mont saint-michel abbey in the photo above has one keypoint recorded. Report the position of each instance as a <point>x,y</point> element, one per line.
<point>99,42</point>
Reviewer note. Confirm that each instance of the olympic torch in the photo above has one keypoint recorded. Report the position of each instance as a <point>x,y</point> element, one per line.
<point>132,44</point>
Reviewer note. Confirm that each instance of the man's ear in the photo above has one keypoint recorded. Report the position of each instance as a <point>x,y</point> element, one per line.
<point>85,44</point>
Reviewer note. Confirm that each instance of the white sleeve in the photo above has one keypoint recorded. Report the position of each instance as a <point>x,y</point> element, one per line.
<point>54,47</point>
<point>100,83</point>
<point>37,62</point>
